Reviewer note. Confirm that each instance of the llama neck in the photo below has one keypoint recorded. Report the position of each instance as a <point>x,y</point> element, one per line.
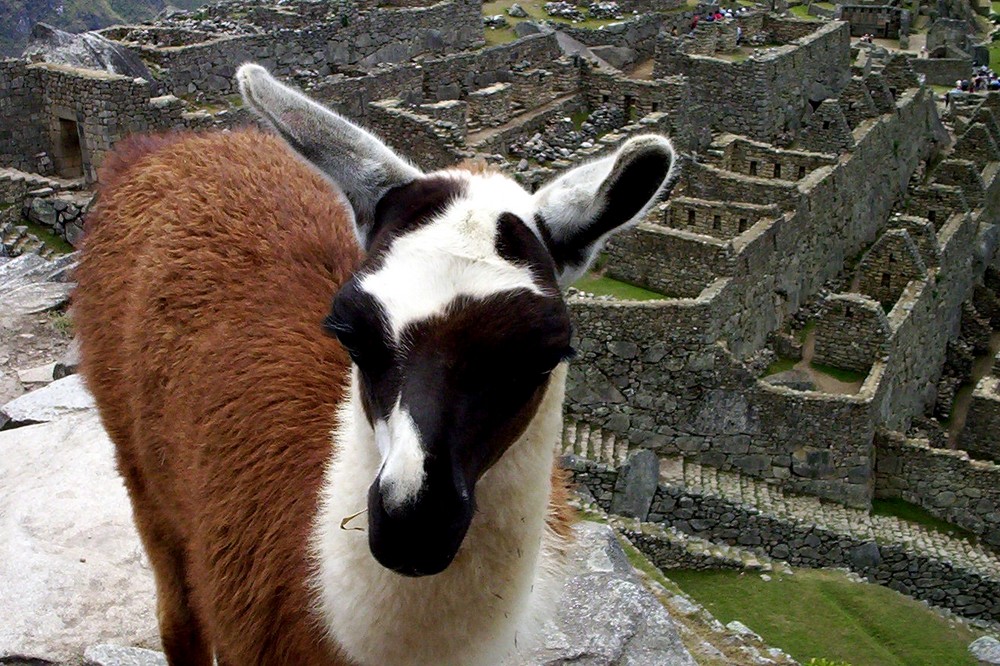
<point>475,611</point>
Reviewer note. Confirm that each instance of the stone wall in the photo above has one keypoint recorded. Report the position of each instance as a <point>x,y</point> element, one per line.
<point>981,435</point>
<point>946,483</point>
<point>12,195</point>
<point>490,106</point>
<point>638,33</point>
<point>881,21</point>
<point>888,267</point>
<point>805,545</point>
<point>767,94</point>
<point>344,36</point>
<point>668,261</point>
<point>943,71</point>
<point>926,316</point>
<point>431,144</point>
<point>760,159</point>
<point>721,219</point>
<point>655,373</point>
<point>97,109</point>
<point>351,95</point>
<point>21,120</point>
<point>851,332</point>
<point>456,75</point>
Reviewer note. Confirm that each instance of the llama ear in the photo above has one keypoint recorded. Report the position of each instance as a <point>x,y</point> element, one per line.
<point>579,210</point>
<point>357,161</point>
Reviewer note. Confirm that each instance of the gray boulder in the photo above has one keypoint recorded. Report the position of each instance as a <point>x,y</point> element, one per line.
<point>87,50</point>
<point>60,398</point>
<point>636,484</point>
<point>114,655</point>
<point>985,650</point>
<point>605,614</point>
<point>517,11</point>
<point>798,380</point>
<point>618,57</point>
<point>72,569</point>
<point>525,28</point>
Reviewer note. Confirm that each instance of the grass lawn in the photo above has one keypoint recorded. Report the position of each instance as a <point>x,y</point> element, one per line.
<point>604,286</point>
<point>821,614</point>
<point>839,374</point>
<point>47,236</point>
<point>915,514</point>
<point>781,365</point>
<point>802,12</point>
<point>995,56</point>
<point>535,13</point>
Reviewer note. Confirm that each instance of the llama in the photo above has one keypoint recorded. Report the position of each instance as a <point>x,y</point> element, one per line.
<point>376,487</point>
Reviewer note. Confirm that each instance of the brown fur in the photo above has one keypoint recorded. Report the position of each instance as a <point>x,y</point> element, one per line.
<point>208,265</point>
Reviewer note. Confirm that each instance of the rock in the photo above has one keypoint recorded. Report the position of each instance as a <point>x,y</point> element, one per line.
<point>605,615</point>
<point>114,655</point>
<point>636,484</point>
<point>33,298</point>
<point>986,650</point>
<point>517,11</point>
<point>743,630</point>
<point>38,375</point>
<point>496,21</point>
<point>68,364</point>
<point>618,57</point>
<point>72,570</point>
<point>88,50</point>
<point>42,211</point>
<point>60,398</point>
<point>798,380</point>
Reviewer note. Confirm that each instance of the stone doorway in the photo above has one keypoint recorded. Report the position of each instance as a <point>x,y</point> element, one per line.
<point>66,149</point>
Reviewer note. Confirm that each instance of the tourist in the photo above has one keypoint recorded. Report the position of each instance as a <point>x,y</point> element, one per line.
<point>739,35</point>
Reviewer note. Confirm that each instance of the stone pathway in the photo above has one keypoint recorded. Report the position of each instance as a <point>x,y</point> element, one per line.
<point>604,447</point>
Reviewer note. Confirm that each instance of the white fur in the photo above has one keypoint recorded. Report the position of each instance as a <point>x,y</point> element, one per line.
<point>398,441</point>
<point>488,600</point>
<point>454,255</point>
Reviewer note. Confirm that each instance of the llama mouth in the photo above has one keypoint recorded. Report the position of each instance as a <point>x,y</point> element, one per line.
<point>419,539</point>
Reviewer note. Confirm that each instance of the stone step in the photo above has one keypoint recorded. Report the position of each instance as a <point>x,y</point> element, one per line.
<point>749,494</point>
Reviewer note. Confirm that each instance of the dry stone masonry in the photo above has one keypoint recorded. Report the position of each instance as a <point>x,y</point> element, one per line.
<point>820,286</point>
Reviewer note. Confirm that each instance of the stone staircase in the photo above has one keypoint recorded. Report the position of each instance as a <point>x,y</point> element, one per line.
<point>16,240</point>
<point>37,181</point>
<point>808,531</point>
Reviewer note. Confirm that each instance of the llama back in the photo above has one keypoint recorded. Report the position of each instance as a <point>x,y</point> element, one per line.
<point>218,389</point>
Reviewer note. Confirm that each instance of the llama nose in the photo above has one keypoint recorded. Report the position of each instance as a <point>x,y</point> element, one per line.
<point>420,538</point>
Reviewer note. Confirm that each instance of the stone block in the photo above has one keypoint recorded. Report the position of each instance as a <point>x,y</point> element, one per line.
<point>636,485</point>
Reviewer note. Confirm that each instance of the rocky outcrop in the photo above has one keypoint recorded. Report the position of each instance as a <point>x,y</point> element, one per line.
<point>87,50</point>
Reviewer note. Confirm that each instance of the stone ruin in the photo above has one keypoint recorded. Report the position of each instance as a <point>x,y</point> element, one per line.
<point>830,217</point>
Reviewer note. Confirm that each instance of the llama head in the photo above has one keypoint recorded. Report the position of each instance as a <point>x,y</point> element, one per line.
<point>455,320</point>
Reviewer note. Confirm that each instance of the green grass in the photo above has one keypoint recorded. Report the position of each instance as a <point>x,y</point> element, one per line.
<point>535,13</point>
<point>840,374</point>
<point>822,614</point>
<point>802,12</point>
<point>604,286</point>
<point>781,365</point>
<point>46,235</point>
<point>995,56</point>
<point>915,514</point>
<point>803,335</point>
